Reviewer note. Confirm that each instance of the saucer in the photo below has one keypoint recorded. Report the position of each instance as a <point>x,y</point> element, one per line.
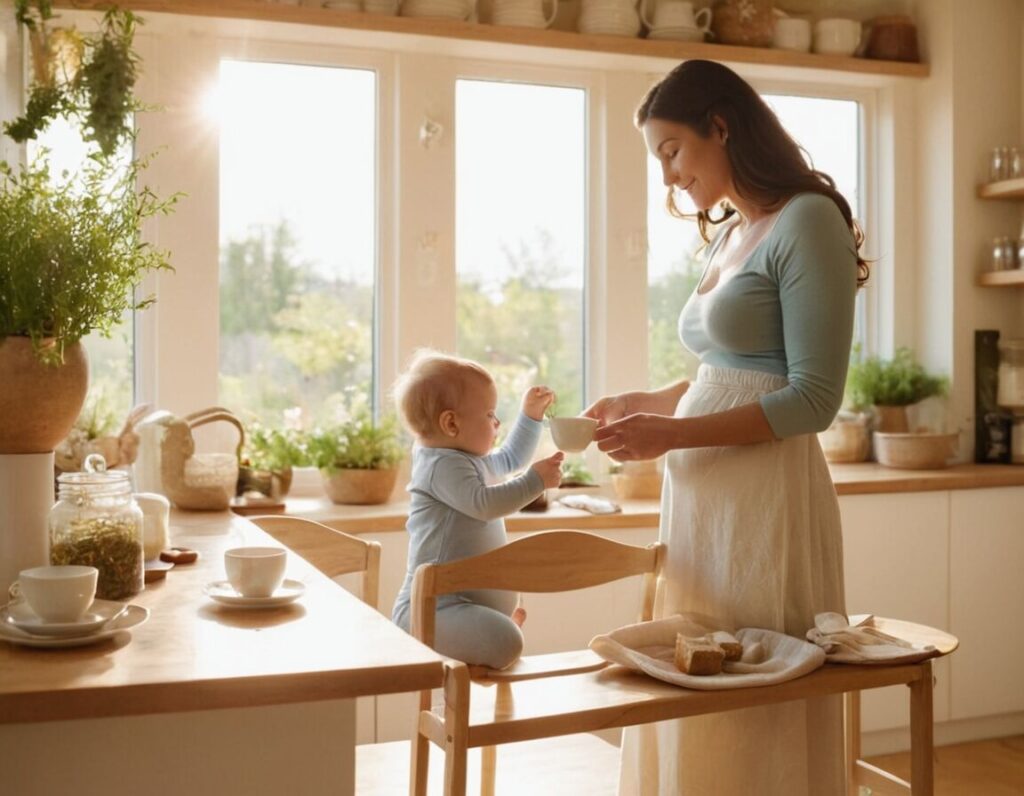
<point>131,616</point>
<point>223,592</point>
<point>676,34</point>
<point>97,615</point>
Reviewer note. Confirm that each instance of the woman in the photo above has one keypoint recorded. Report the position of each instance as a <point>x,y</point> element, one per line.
<point>749,512</point>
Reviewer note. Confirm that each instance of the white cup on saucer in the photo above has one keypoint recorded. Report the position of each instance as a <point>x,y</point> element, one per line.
<point>57,594</point>
<point>255,571</point>
<point>836,36</point>
<point>792,33</point>
<point>573,434</point>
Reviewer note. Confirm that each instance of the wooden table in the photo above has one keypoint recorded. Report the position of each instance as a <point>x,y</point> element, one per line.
<point>203,697</point>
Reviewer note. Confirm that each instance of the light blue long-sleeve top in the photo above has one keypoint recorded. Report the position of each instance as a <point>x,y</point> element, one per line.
<point>457,508</point>
<point>787,310</point>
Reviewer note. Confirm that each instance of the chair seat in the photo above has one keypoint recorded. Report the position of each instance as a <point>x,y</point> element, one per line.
<point>616,697</point>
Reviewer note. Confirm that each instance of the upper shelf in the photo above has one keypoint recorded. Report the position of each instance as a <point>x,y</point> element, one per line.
<point>1004,189</point>
<point>472,31</point>
<point>1013,277</point>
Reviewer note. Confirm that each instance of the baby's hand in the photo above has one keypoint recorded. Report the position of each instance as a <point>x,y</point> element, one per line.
<point>550,470</point>
<point>536,401</point>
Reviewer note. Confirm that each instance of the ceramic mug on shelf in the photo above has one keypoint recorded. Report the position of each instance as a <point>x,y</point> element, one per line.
<point>675,14</point>
<point>523,13</point>
<point>792,33</point>
<point>58,593</point>
<point>837,36</point>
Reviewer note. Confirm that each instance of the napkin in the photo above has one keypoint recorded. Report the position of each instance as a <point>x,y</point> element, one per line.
<point>594,505</point>
<point>846,643</point>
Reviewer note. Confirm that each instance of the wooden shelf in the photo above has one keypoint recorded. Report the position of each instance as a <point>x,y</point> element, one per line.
<point>471,31</point>
<point>1011,278</point>
<point>1004,189</point>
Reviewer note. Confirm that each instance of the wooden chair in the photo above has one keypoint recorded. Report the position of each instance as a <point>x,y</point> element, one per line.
<point>529,701</point>
<point>552,561</point>
<point>332,552</point>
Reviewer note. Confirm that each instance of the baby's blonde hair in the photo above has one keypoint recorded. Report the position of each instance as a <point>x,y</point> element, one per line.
<point>431,384</point>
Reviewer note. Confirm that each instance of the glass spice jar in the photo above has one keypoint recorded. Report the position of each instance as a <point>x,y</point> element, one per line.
<point>96,522</point>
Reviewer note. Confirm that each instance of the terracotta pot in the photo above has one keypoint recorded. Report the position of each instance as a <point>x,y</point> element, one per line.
<point>891,419</point>
<point>360,487</point>
<point>39,404</point>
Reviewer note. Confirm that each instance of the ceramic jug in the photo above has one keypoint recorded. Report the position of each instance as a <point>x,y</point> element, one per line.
<point>523,13</point>
<point>615,17</point>
<point>674,14</point>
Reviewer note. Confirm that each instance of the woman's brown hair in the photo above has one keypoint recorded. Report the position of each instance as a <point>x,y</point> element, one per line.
<point>768,166</point>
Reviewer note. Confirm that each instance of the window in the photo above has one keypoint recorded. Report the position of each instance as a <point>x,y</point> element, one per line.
<point>520,236</point>
<point>297,239</point>
<point>829,130</point>
<point>111,359</point>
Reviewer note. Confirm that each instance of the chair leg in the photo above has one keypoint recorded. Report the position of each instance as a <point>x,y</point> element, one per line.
<point>488,769</point>
<point>922,734</point>
<point>456,728</point>
<point>420,764</point>
<point>852,733</point>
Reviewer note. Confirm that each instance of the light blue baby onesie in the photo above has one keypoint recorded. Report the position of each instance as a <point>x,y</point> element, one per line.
<point>456,510</point>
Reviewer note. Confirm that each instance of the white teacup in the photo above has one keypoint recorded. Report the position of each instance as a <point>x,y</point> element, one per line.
<point>675,14</point>
<point>57,594</point>
<point>792,33</point>
<point>836,36</point>
<point>573,434</point>
<point>255,571</point>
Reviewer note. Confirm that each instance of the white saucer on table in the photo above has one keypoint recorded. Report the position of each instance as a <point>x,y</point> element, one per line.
<point>95,617</point>
<point>130,617</point>
<point>223,592</point>
<point>676,34</point>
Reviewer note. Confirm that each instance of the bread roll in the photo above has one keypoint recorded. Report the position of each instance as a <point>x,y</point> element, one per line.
<point>699,656</point>
<point>730,646</point>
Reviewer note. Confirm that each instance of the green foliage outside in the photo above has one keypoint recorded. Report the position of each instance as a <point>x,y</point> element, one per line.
<point>528,332</point>
<point>359,443</point>
<point>873,381</point>
<point>668,360</point>
<point>274,449</point>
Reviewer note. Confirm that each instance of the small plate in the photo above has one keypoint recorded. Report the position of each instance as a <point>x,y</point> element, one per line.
<point>98,614</point>
<point>223,592</point>
<point>131,616</point>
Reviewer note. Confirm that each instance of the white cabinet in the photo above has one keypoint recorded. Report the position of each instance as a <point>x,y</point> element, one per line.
<point>987,601</point>
<point>896,562</point>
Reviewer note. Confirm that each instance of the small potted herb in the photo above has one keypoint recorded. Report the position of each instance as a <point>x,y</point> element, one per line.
<point>358,459</point>
<point>267,460</point>
<point>889,386</point>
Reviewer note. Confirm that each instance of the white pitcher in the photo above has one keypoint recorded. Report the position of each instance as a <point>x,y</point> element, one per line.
<point>675,14</point>
<point>614,17</point>
<point>523,13</point>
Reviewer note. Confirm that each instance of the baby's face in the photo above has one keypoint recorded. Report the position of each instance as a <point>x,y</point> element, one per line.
<point>478,425</point>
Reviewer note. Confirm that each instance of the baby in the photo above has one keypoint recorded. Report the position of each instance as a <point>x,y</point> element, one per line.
<point>458,499</point>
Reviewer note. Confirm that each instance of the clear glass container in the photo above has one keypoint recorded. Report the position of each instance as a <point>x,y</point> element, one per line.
<point>1011,375</point>
<point>96,522</point>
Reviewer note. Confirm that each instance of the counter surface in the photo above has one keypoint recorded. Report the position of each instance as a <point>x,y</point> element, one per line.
<point>194,654</point>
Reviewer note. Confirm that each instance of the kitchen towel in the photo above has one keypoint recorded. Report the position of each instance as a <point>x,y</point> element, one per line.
<point>649,647</point>
<point>862,643</point>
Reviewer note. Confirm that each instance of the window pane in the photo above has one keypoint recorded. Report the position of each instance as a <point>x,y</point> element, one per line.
<point>520,236</point>
<point>829,130</point>
<point>298,239</point>
<point>111,360</point>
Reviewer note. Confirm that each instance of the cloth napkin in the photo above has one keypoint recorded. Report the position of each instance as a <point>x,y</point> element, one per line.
<point>595,505</point>
<point>649,647</point>
<point>862,643</point>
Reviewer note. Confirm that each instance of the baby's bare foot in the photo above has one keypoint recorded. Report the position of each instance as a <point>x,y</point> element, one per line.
<point>519,615</point>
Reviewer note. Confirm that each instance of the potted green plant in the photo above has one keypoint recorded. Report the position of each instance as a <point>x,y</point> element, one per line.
<point>358,459</point>
<point>267,460</point>
<point>71,250</point>
<point>889,386</point>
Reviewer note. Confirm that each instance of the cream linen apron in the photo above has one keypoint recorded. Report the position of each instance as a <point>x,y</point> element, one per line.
<point>754,539</point>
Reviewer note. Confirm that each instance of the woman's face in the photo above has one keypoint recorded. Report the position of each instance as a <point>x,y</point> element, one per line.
<point>699,166</point>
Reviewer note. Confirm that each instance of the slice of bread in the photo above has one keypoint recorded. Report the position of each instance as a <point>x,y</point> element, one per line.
<point>698,656</point>
<point>730,646</point>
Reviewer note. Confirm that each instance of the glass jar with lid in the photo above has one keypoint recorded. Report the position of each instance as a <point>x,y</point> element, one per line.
<point>96,522</point>
<point>1011,375</point>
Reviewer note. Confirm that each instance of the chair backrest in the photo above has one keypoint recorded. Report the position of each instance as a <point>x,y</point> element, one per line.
<point>332,552</point>
<point>551,561</point>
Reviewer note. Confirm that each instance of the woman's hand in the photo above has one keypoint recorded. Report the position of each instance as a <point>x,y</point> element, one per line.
<point>550,470</point>
<point>536,400</point>
<point>638,437</point>
<point>608,409</point>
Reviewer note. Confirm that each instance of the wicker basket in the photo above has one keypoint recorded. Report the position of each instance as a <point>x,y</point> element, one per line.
<point>915,451</point>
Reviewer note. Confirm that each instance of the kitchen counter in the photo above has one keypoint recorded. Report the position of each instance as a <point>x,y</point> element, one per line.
<point>195,655</point>
<point>850,479</point>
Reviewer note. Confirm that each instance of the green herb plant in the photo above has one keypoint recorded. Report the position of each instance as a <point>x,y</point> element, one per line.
<point>576,473</point>
<point>273,449</point>
<point>358,444</point>
<point>901,381</point>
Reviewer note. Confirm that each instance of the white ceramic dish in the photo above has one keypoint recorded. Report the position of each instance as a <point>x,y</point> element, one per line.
<point>222,592</point>
<point>132,616</point>
<point>95,617</point>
